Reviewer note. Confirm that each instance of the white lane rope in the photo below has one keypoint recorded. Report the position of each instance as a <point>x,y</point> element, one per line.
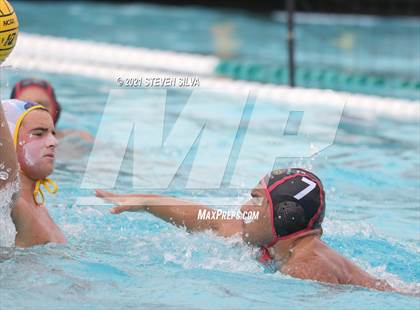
<point>112,55</point>
<point>109,61</point>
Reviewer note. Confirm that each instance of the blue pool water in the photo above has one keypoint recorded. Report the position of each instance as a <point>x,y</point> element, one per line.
<point>372,178</point>
<point>382,47</point>
<point>371,175</point>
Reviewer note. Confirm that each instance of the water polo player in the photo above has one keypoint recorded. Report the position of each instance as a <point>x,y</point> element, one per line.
<point>42,92</point>
<point>34,139</point>
<point>291,207</point>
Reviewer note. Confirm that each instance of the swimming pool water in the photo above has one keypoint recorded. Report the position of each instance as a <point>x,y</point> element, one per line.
<point>382,47</point>
<point>371,175</point>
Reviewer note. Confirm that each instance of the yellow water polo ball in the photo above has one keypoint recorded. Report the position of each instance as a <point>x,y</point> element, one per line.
<point>9,28</point>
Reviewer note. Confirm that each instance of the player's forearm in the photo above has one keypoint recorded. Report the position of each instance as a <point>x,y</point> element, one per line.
<point>8,159</point>
<point>178,212</point>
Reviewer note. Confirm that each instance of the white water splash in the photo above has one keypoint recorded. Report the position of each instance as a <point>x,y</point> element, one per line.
<point>342,228</point>
<point>411,288</point>
<point>4,173</point>
<point>201,251</point>
<point>7,228</point>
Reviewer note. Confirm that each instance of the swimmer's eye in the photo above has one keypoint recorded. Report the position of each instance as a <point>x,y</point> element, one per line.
<point>39,132</point>
<point>256,199</point>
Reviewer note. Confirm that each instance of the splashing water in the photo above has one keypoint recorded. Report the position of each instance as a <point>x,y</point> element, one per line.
<point>7,228</point>
<point>137,261</point>
<point>4,172</point>
<point>4,175</point>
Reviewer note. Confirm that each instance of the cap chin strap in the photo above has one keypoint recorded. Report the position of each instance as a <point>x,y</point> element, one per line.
<point>49,185</point>
<point>265,253</point>
<point>270,203</point>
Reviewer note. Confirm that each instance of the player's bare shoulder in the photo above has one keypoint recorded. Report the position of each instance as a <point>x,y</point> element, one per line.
<point>316,269</point>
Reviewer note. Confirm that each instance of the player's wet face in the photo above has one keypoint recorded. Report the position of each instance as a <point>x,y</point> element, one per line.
<point>257,231</point>
<point>37,144</point>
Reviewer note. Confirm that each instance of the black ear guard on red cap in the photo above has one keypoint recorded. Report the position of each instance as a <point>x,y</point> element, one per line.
<point>289,217</point>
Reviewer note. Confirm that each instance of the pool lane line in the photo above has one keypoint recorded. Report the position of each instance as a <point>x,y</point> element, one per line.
<point>361,105</point>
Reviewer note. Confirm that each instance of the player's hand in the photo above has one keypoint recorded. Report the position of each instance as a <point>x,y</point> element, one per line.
<point>123,203</point>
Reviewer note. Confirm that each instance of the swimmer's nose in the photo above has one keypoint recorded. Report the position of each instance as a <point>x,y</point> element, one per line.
<point>52,141</point>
